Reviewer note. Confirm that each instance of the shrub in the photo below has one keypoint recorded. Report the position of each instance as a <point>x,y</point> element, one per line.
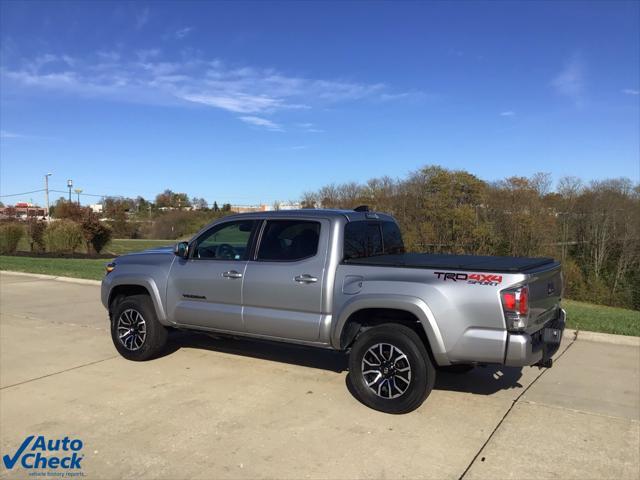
<point>574,283</point>
<point>96,234</point>
<point>122,227</point>
<point>35,229</point>
<point>63,236</point>
<point>10,235</point>
<point>178,223</point>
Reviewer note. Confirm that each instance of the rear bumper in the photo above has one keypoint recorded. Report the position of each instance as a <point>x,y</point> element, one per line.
<point>529,349</point>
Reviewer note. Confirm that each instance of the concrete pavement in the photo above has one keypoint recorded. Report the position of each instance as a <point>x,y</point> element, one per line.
<point>229,408</point>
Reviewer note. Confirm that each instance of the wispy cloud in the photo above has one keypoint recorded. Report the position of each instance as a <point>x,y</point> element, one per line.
<point>508,113</point>
<point>182,32</point>
<point>294,148</point>
<point>108,55</point>
<point>5,134</point>
<point>142,18</point>
<point>147,54</point>
<point>237,103</point>
<point>308,127</point>
<point>262,122</point>
<point>631,91</point>
<point>147,76</point>
<point>394,96</point>
<point>570,81</point>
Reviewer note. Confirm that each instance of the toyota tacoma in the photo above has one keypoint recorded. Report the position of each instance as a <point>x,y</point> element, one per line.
<point>340,279</point>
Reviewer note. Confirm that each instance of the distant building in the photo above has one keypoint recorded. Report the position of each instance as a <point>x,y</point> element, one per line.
<point>288,206</point>
<point>22,210</point>
<point>96,207</point>
<point>250,208</point>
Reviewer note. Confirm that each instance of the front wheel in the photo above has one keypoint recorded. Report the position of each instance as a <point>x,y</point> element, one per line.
<point>390,369</point>
<point>135,330</point>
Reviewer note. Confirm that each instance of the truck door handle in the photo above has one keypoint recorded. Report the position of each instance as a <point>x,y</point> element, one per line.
<point>305,278</point>
<point>232,274</point>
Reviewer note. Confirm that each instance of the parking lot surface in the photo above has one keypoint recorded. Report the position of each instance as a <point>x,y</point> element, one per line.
<point>231,408</point>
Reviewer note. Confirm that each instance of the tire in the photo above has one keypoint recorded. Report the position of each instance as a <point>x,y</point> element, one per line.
<point>147,337</point>
<point>384,387</point>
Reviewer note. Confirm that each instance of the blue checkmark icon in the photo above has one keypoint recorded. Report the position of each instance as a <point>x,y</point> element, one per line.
<point>10,462</point>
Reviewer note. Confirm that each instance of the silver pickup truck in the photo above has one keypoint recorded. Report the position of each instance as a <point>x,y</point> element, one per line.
<point>340,279</point>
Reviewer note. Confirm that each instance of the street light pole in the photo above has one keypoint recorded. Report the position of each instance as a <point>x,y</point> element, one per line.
<point>69,186</point>
<point>46,194</point>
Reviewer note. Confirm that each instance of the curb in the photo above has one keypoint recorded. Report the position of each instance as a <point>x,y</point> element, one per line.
<point>42,276</point>
<point>607,338</point>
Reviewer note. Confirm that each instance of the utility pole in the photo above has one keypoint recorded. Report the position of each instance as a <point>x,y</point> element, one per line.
<point>78,191</point>
<point>46,195</point>
<point>69,186</point>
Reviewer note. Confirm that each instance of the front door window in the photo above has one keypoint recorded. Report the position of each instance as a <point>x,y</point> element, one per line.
<point>228,241</point>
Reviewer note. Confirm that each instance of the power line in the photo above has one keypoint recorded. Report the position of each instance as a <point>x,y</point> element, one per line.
<point>95,195</point>
<point>23,193</point>
<point>89,194</point>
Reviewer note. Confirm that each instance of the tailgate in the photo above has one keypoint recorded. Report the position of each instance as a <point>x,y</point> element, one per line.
<point>545,292</point>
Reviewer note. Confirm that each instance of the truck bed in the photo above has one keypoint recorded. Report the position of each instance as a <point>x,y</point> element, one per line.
<point>480,263</point>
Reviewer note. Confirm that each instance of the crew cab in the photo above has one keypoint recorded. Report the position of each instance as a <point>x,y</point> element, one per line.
<point>340,279</point>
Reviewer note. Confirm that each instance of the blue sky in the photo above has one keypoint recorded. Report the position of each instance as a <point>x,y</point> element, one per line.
<point>256,102</point>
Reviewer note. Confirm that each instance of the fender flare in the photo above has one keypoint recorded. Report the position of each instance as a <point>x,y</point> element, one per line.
<point>146,282</point>
<point>413,305</point>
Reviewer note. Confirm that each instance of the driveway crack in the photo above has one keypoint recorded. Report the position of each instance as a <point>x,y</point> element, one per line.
<point>504,417</point>
<point>58,373</point>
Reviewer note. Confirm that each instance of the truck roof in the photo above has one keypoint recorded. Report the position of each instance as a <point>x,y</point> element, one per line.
<point>350,215</point>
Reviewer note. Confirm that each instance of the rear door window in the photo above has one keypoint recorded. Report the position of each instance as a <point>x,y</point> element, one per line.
<point>362,239</point>
<point>392,238</point>
<point>289,240</point>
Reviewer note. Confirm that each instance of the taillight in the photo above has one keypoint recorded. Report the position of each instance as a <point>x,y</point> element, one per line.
<point>515,304</point>
<point>509,300</point>
<point>523,302</point>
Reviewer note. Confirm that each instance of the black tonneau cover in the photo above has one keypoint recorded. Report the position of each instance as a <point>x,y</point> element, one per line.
<point>480,263</point>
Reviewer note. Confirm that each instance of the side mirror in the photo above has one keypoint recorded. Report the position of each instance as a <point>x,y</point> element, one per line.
<point>181,249</point>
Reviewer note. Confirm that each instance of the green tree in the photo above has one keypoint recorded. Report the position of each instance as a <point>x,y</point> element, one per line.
<point>35,229</point>
<point>170,199</point>
<point>69,210</point>
<point>96,234</point>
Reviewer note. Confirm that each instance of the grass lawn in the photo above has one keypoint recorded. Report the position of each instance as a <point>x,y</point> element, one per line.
<point>120,246</point>
<point>92,269</point>
<point>65,267</point>
<point>598,318</point>
<point>117,246</point>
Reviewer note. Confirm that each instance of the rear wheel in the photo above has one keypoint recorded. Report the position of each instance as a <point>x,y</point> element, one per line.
<point>390,369</point>
<point>135,330</point>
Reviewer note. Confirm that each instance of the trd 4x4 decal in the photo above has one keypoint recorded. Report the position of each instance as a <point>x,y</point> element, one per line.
<point>472,278</point>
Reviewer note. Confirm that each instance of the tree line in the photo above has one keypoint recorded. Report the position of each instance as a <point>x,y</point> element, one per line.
<point>171,215</point>
<point>592,228</point>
